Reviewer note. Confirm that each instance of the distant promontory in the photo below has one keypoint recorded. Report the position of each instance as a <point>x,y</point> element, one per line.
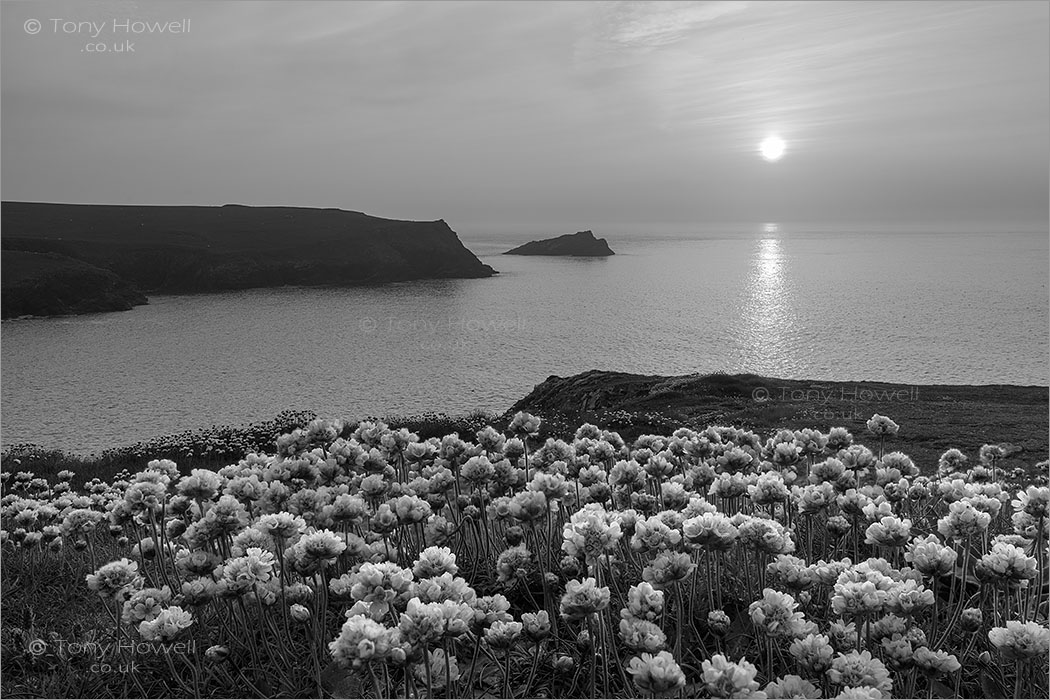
<point>582,244</point>
<point>79,258</point>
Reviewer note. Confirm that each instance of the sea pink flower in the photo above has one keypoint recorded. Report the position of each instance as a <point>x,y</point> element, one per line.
<point>728,679</point>
<point>860,668</point>
<point>166,626</point>
<point>776,615</point>
<point>583,598</point>
<point>1021,640</point>
<point>792,687</point>
<point>657,674</point>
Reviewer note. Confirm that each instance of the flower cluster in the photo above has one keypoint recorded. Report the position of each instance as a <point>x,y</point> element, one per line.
<point>597,566</point>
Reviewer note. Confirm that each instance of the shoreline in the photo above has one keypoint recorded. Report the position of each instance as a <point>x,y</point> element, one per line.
<point>215,292</point>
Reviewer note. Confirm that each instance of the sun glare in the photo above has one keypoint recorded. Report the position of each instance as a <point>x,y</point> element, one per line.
<point>772,148</point>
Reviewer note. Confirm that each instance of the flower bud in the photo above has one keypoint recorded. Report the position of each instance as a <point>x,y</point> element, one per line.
<point>398,657</point>
<point>299,613</point>
<point>838,525</point>
<point>514,535</point>
<point>916,636</point>
<point>175,528</point>
<point>570,567</point>
<point>971,619</point>
<point>564,664</point>
<point>216,654</point>
<point>718,621</point>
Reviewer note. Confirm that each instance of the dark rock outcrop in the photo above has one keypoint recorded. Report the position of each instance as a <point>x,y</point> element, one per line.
<point>932,417</point>
<point>582,244</point>
<point>46,284</point>
<point>184,249</point>
<point>597,390</point>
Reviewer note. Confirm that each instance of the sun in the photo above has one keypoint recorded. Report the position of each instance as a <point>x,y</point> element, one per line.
<point>772,148</point>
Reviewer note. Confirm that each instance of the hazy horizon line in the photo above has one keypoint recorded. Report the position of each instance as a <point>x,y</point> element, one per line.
<point>595,225</point>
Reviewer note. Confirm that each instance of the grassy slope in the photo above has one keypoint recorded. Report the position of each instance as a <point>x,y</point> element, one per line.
<point>47,283</point>
<point>194,249</point>
<point>933,418</point>
<point>19,266</point>
<point>230,228</point>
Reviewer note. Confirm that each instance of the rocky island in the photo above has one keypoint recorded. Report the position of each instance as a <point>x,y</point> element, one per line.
<point>581,244</point>
<point>80,258</point>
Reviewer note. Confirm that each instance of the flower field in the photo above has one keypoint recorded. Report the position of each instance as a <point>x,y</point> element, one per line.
<point>356,560</point>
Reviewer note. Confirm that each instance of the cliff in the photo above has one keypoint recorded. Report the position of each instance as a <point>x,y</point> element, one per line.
<point>46,284</point>
<point>582,244</point>
<point>933,418</point>
<point>188,249</point>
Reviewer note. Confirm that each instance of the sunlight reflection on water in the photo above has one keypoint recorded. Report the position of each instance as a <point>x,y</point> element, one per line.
<point>767,308</point>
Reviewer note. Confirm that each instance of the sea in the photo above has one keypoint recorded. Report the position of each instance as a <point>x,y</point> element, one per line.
<point>944,304</point>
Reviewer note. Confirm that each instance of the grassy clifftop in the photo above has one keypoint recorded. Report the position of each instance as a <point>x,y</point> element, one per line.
<point>933,418</point>
<point>188,249</point>
<point>46,284</point>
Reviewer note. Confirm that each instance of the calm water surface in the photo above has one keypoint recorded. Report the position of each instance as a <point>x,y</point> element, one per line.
<point>905,306</point>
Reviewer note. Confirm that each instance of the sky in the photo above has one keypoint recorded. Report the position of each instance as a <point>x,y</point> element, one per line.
<point>534,113</point>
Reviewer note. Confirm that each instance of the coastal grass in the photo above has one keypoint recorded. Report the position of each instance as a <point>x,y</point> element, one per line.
<point>934,417</point>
